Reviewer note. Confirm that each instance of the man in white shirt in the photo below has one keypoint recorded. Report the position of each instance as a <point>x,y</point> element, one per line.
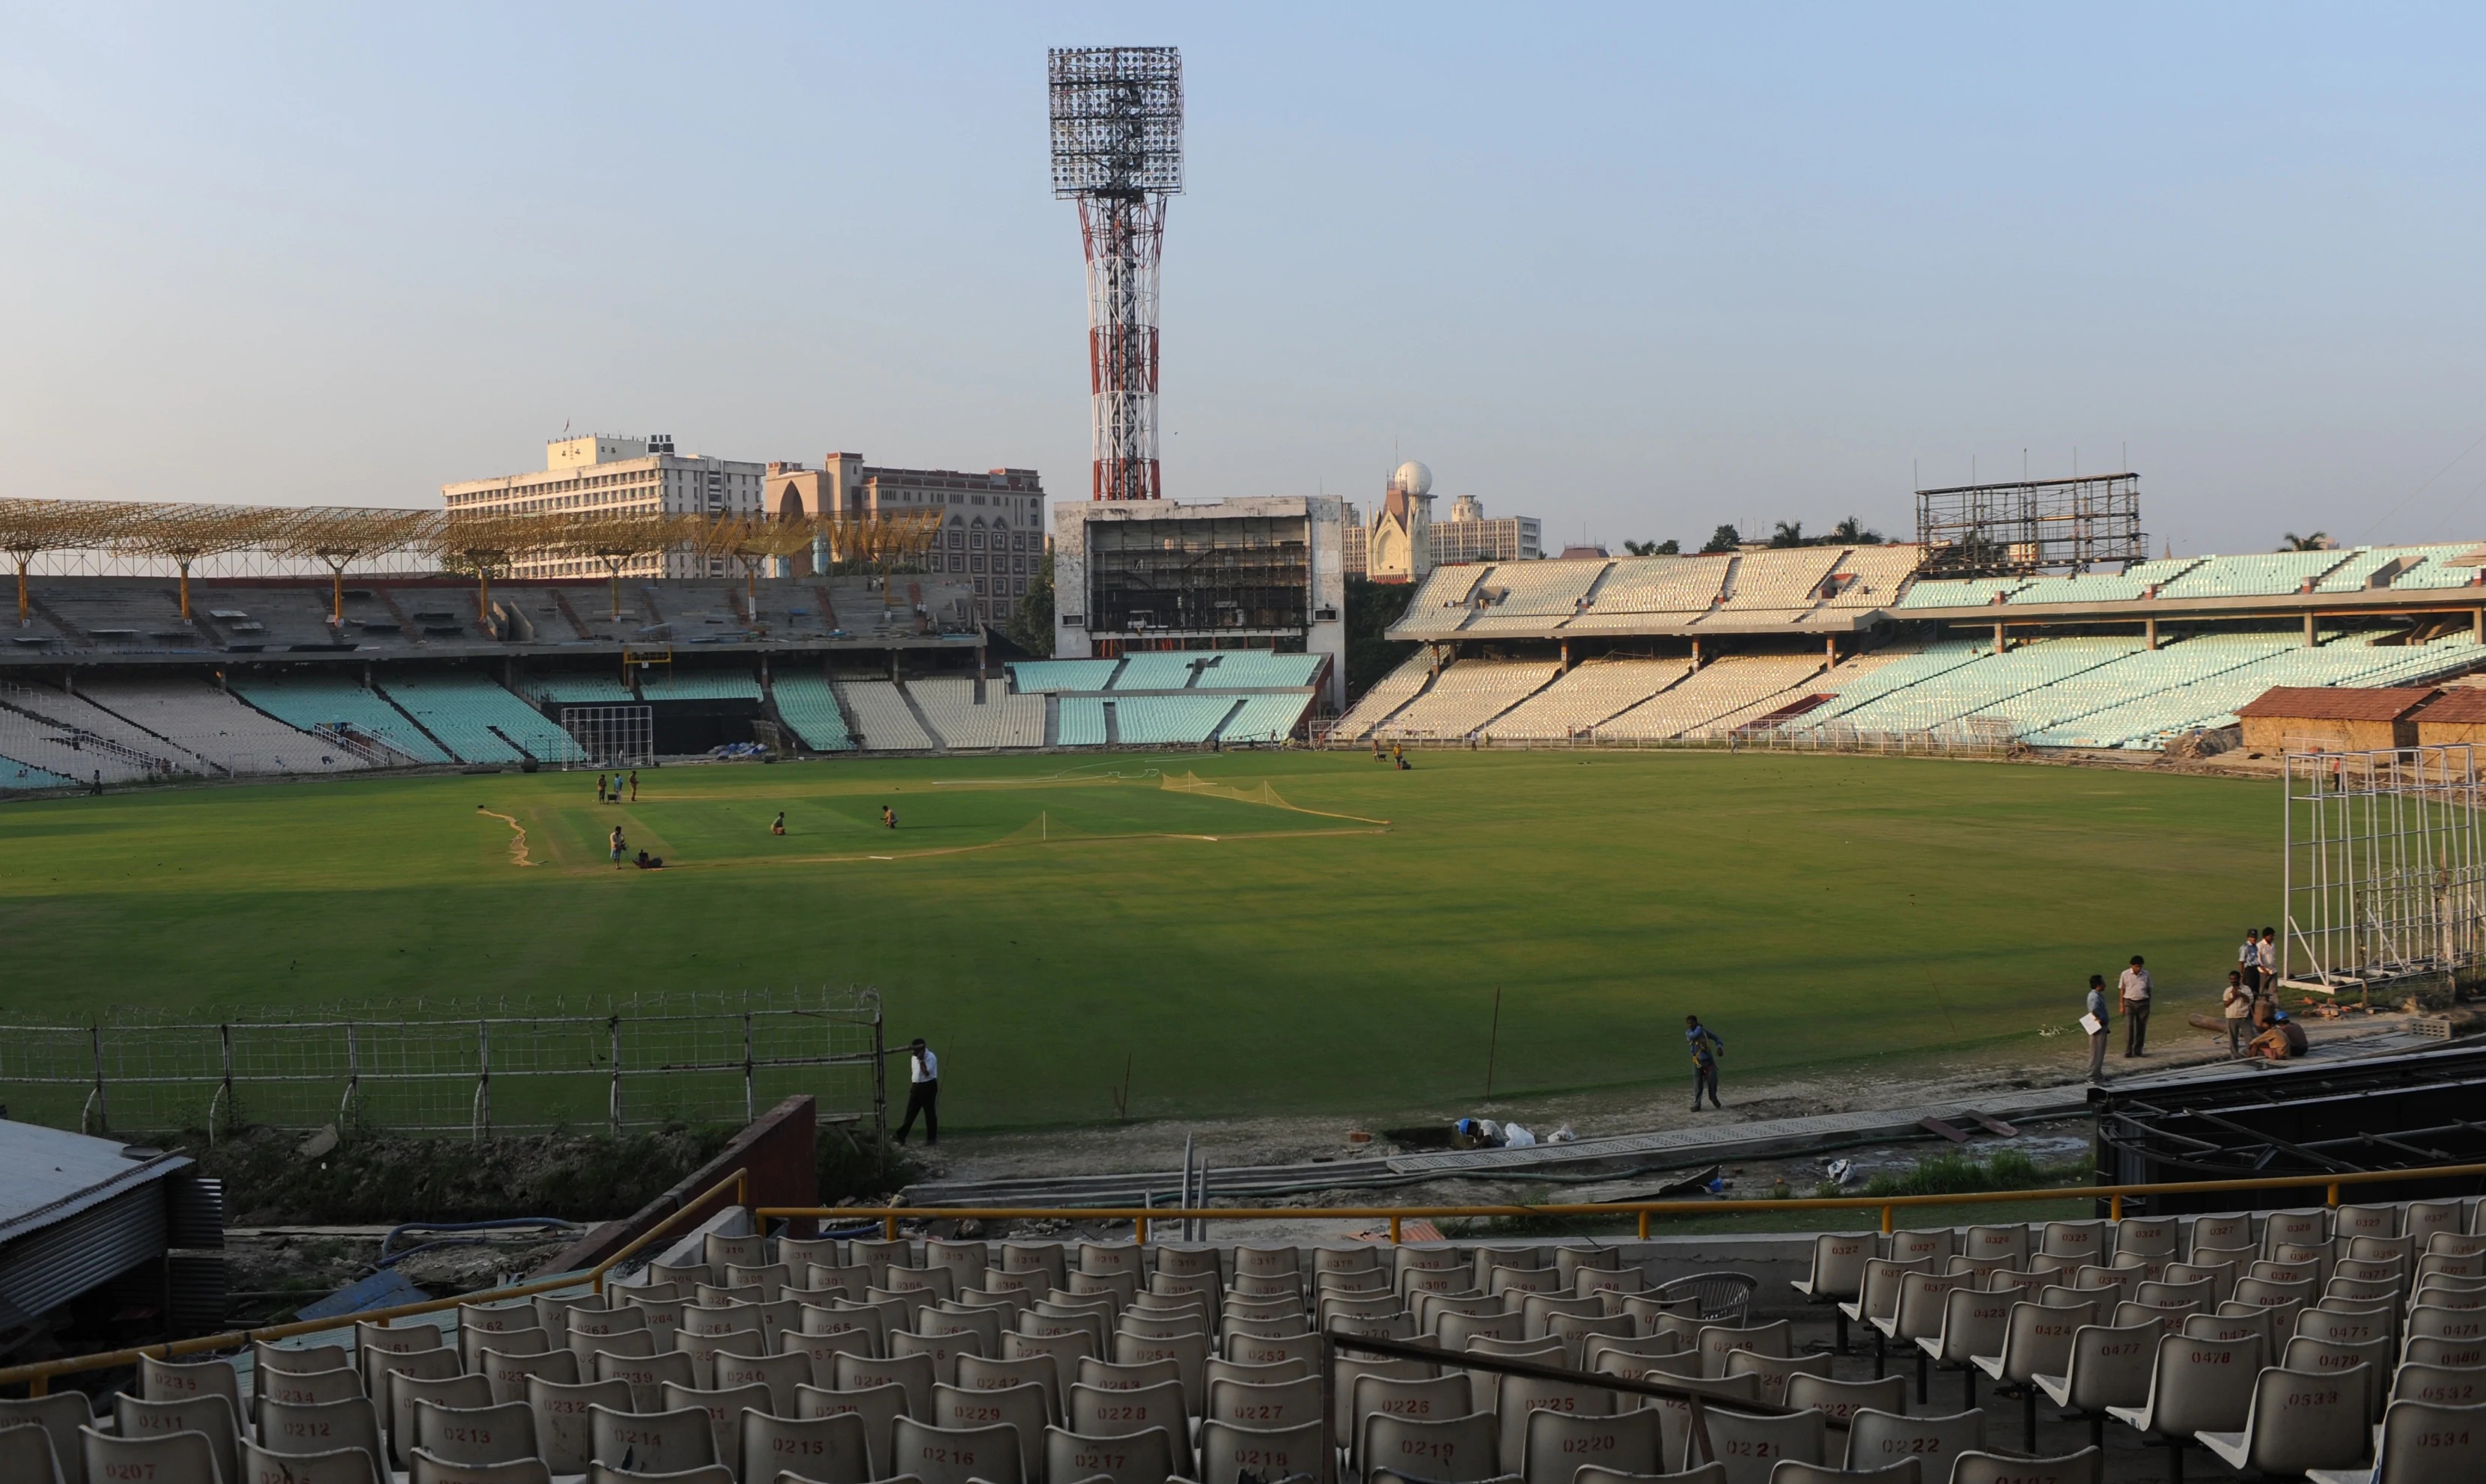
<point>2134,985</point>
<point>2249,961</point>
<point>922,1094</point>
<point>2269,989</point>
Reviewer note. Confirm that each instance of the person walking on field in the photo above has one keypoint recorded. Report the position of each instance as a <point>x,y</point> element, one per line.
<point>2249,961</point>
<point>2269,987</point>
<point>634,785</point>
<point>2134,985</point>
<point>2238,1002</point>
<point>599,787</point>
<point>1707,1048</point>
<point>2096,1021</point>
<point>922,1094</point>
<point>619,845</point>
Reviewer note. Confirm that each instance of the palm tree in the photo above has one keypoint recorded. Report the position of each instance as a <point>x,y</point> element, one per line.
<point>2319,541</point>
<point>1790,533</point>
<point>1852,532</point>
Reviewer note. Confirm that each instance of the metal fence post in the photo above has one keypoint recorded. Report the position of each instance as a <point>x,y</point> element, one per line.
<point>102,1107</point>
<point>614,1109</point>
<point>482,1123</point>
<point>349,1106</point>
<point>232,1111</point>
<point>750,1105</point>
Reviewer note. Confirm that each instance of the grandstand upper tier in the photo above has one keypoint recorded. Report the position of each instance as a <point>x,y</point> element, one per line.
<point>1833,589</point>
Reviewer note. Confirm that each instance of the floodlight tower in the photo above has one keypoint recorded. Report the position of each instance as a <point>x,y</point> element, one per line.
<point>1117,151</point>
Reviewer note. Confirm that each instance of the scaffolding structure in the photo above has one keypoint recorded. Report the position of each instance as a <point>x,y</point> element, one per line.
<point>2031,526</point>
<point>621,736</point>
<point>2385,868</point>
<point>1117,117</point>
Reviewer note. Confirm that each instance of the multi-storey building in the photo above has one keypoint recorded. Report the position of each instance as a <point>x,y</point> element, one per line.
<point>1402,542</point>
<point>1468,535</point>
<point>605,475</point>
<point>992,524</point>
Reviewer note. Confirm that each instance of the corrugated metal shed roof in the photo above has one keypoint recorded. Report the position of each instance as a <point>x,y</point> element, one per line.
<point>2337,704</point>
<point>47,1174</point>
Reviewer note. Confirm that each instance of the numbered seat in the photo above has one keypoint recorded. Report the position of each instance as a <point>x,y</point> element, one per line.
<point>1415,1399</point>
<point>405,1393</point>
<point>1230,1454</point>
<point>651,1442</point>
<point>305,1428</point>
<point>2085,1466</point>
<point>1137,1458</point>
<point>2421,1443</point>
<point>563,1434</point>
<point>825,1450</point>
<point>2037,1340</point>
<point>2299,1422</point>
<point>1838,1401</point>
<point>1270,1405</point>
<point>260,1465</point>
<point>60,1415</point>
<point>166,1458</point>
<point>2195,1386</point>
<point>1022,1409</point>
<point>209,1413</point>
<point>1520,1397</point>
<point>1751,1445</point>
<point>879,1407</point>
<point>1973,1321</point>
<point>1877,1440</point>
<point>503,1434</point>
<point>1556,1446</point>
<point>724,1412</point>
<point>26,1453</point>
<point>427,1469</point>
<point>2110,1366</point>
<point>1453,1450</point>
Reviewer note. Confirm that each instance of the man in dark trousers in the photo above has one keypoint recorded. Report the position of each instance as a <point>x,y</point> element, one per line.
<point>1705,1047</point>
<point>922,1094</point>
<point>2134,985</point>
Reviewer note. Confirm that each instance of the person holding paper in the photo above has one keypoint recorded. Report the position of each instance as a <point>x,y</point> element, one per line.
<point>2094,1022</point>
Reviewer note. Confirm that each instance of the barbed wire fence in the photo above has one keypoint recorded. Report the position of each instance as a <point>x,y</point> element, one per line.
<point>457,1067</point>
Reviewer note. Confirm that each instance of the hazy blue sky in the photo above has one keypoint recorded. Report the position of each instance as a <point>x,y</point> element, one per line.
<point>1637,270</point>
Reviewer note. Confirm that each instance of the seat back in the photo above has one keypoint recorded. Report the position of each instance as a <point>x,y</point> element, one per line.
<point>564,1435</point>
<point>777,1374</point>
<point>1920,1247</point>
<point>472,1343</point>
<point>2426,1350</point>
<point>1750,1445</point>
<point>1716,1342</point>
<point>26,1453</point>
<point>260,1465</point>
<point>2439,1323</point>
<point>1453,1451</point>
<point>651,1442</point>
<point>2111,1365</point>
<point>268,1360</point>
<point>826,1451</point>
<point>60,1416</point>
<point>2037,1339</point>
<point>1268,1405</point>
<point>1974,1322</point>
<point>176,1381</point>
<point>1773,1373</point>
<point>1137,1458</point>
<point>1258,1375</point>
<point>1876,1440</point>
<point>1024,1408</point>
<point>1878,1298</point>
<point>1520,1395</point>
<point>166,1458</point>
<point>509,1374</point>
<point>1674,1420</point>
<point>209,1415</point>
<point>645,1374</point>
<point>1923,1299</point>
<point>2441,1385</point>
<point>914,1373</point>
<point>500,1434</point>
<point>2199,1386</point>
<point>1555,1446</point>
<point>2008,1245</point>
<point>406,1390</point>
<point>879,1407</point>
<point>2424,1443</point>
<point>303,1428</point>
<point>2299,1422</point>
<point>723,1410</point>
<point>1838,1401</point>
<point>1905,1472</point>
<point>1706,1474</point>
<point>1229,1454</point>
<point>1426,1399</point>
<point>1264,1261</point>
<point>1189,1355</point>
<point>427,1469</point>
<point>2085,1466</point>
<point>1095,1412</point>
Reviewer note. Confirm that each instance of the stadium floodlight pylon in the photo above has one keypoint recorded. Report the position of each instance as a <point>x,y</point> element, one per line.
<point>2385,868</point>
<point>1116,118</point>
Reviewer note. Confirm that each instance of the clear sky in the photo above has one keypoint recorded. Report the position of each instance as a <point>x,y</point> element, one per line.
<point>1636,270</point>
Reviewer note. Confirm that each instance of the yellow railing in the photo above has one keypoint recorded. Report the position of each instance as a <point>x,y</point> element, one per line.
<point>38,1378</point>
<point>1140,1217</point>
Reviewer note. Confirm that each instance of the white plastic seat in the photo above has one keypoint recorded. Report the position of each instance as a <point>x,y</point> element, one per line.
<point>174,1381</point>
<point>260,1465</point>
<point>2298,1422</point>
<point>2323,1357</point>
<point>1258,1375</point>
<point>2037,1339</point>
<point>645,1374</point>
<point>1750,1445</point>
<point>1189,1355</point>
<point>701,1350</point>
<point>1552,1444</point>
<point>1716,1342</point>
<point>942,1455</point>
<point>1837,1272</point>
<point>209,1413</point>
<point>1229,1454</point>
<point>404,1391</point>
<point>1140,1458</point>
<point>2440,1386</point>
<point>2109,1367</point>
<point>1453,1450</point>
<point>509,1374</point>
<point>1415,1399</point>
<point>1906,1470</point>
<point>2422,1444</point>
<point>502,1434</point>
<point>724,1411</point>
<point>2195,1386</point>
<point>26,1454</point>
<point>1594,1473</point>
<point>914,1373</point>
<point>1774,1373</point>
<point>824,1450</point>
<point>1095,1412</point>
<point>1025,1409</point>
<point>321,1428</point>
<point>267,1358</point>
<point>565,1437</point>
<point>1105,1376</point>
<point>1520,1395</point>
<point>651,1442</point>
<point>879,1407</point>
<point>427,1469</point>
<point>1973,1321</point>
<point>1877,1440</point>
<point>60,1415</point>
<point>166,1458</point>
<point>780,1374</point>
<point>1271,1406</point>
<point>1838,1401</point>
<point>2085,1466</point>
<point>472,1343</point>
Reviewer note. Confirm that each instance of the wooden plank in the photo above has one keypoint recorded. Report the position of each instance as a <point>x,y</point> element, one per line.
<point>1992,1125</point>
<point>1946,1131</point>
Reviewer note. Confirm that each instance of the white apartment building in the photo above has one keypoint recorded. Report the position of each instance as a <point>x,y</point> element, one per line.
<point>602,474</point>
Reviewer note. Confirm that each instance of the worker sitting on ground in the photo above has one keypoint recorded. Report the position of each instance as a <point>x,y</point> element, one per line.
<point>2279,1037</point>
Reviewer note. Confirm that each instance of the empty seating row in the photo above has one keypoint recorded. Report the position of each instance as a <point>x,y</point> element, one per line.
<point>476,718</point>
<point>1265,719</point>
<point>806,703</point>
<point>1002,720</point>
<point>211,725</point>
<point>883,720</point>
<point>1467,696</point>
<point>313,703</point>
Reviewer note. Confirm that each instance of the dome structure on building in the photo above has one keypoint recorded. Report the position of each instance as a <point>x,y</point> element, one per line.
<point>1412,479</point>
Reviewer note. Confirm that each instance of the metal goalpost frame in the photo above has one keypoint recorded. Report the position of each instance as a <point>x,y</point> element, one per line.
<point>2385,874</point>
<point>610,736</point>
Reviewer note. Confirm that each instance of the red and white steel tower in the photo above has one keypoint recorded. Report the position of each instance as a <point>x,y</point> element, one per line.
<point>1117,151</point>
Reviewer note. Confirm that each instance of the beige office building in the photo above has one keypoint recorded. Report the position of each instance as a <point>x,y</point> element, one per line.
<point>603,474</point>
<point>992,524</point>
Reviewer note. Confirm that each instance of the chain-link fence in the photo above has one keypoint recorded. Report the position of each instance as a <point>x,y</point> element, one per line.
<point>465,1068</point>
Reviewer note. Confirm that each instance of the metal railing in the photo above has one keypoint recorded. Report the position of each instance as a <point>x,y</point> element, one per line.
<point>1141,1217</point>
<point>39,1376</point>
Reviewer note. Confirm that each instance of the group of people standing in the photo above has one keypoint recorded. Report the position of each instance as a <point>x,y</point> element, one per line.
<point>2255,1024</point>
